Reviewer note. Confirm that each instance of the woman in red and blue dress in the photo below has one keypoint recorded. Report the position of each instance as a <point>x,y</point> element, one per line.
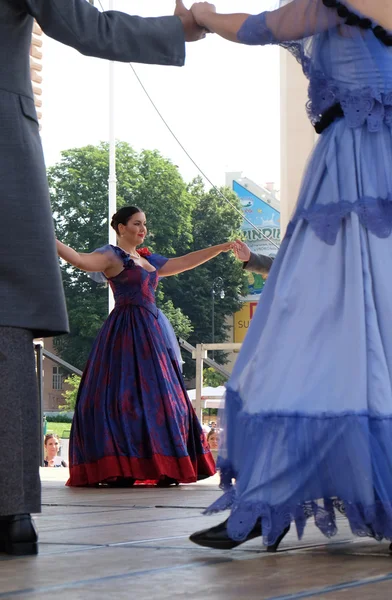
<point>133,419</point>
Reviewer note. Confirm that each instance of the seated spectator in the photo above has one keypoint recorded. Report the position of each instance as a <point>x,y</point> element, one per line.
<point>52,447</point>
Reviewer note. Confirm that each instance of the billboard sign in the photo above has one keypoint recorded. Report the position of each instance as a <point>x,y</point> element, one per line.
<point>242,320</point>
<point>267,220</point>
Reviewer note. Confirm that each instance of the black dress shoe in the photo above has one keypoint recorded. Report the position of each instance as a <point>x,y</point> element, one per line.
<point>218,538</point>
<point>18,535</point>
<point>167,482</point>
<point>120,482</point>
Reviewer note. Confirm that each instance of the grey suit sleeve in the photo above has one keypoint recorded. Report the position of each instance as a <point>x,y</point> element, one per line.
<point>111,35</point>
<point>258,263</point>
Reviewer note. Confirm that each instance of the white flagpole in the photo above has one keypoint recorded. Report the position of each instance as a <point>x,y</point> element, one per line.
<point>112,159</point>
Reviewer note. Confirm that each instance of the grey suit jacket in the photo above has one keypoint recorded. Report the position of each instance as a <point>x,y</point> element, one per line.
<point>259,263</point>
<point>31,294</point>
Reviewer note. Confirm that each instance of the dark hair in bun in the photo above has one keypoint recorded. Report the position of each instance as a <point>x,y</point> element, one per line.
<point>123,215</point>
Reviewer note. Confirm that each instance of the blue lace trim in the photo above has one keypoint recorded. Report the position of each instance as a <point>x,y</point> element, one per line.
<point>363,106</point>
<point>255,31</point>
<point>374,520</point>
<point>374,213</point>
<point>365,521</point>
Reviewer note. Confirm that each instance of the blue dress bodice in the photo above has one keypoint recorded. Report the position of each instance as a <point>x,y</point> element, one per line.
<point>346,57</point>
<point>357,75</point>
<point>135,285</point>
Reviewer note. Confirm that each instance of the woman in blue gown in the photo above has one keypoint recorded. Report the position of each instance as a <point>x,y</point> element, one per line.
<point>309,404</point>
<point>133,419</point>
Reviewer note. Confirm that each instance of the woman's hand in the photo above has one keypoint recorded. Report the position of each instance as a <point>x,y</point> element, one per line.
<point>192,31</point>
<point>201,11</point>
<point>227,26</point>
<point>227,246</point>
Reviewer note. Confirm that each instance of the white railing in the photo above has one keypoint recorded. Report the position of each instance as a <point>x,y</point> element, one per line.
<point>199,353</point>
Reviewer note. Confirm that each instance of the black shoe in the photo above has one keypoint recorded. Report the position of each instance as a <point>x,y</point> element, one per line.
<point>120,482</point>
<point>167,482</point>
<point>18,535</point>
<point>275,546</point>
<point>217,537</point>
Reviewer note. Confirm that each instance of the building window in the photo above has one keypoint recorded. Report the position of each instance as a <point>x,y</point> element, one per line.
<point>57,379</point>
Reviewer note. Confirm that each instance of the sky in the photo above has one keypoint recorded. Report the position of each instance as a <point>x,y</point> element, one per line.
<point>223,105</point>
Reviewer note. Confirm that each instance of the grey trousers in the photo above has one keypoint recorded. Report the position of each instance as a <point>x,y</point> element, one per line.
<point>20,488</point>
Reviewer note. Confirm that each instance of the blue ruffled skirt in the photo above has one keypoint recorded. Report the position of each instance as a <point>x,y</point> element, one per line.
<point>308,416</point>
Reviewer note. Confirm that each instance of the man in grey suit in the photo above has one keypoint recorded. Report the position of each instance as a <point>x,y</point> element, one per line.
<point>31,295</point>
<point>257,263</point>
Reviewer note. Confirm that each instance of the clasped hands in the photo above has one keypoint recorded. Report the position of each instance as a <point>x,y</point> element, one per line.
<point>239,248</point>
<point>193,19</point>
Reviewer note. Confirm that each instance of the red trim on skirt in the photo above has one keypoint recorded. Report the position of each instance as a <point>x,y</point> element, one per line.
<point>150,470</point>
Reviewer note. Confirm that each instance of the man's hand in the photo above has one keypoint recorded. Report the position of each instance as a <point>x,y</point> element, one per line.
<point>241,251</point>
<point>192,31</point>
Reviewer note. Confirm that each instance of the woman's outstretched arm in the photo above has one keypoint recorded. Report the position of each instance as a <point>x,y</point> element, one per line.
<point>185,263</point>
<point>294,21</point>
<point>90,262</point>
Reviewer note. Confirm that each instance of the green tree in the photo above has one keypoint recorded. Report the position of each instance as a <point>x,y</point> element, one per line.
<point>214,221</point>
<point>213,378</point>
<point>180,219</point>
<point>181,324</point>
<point>79,191</point>
<point>70,395</point>
<point>163,195</point>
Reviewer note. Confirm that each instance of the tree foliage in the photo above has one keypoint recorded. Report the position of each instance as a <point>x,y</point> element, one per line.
<point>213,378</point>
<point>213,221</point>
<point>70,395</point>
<point>181,218</point>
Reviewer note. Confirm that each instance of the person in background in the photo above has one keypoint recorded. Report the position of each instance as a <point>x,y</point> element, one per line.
<point>52,447</point>
<point>132,404</point>
<point>213,439</point>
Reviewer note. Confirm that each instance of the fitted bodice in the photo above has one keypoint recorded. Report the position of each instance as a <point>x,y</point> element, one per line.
<point>345,62</point>
<point>345,55</point>
<point>357,75</point>
<point>135,286</point>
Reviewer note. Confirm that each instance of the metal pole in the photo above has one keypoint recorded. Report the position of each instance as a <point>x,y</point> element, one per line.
<point>112,160</point>
<point>213,318</point>
<point>199,381</point>
<point>216,285</point>
<point>39,359</point>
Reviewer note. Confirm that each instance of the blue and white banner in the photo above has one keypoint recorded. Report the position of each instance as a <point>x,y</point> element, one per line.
<point>267,220</point>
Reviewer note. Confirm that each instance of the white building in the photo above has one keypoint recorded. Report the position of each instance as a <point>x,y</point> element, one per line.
<point>297,134</point>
